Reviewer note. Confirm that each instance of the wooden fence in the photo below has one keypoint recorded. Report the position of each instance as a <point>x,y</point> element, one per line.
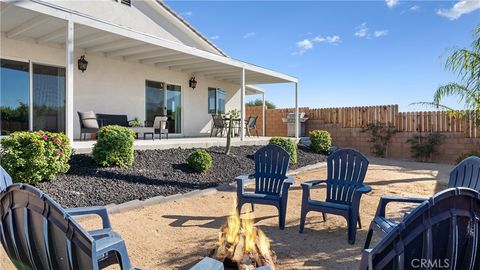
<point>359,117</point>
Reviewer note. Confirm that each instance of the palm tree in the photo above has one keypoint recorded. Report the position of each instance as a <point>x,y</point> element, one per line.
<point>466,63</point>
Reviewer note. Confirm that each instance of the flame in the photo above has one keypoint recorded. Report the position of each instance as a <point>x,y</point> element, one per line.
<point>249,231</point>
<point>263,242</point>
<point>233,225</point>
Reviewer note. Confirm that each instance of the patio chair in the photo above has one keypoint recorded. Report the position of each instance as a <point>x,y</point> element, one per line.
<point>5,179</point>
<point>346,169</point>
<point>271,182</point>
<point>465,174</point>
<point>89,124</point>
<point>37,233</point>
<point>219,125</point>
<point>160,126</point>
<point>442,232</point>
<point>252,124</point>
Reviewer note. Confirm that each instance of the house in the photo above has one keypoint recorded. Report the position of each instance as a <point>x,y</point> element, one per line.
<point>141,58</point>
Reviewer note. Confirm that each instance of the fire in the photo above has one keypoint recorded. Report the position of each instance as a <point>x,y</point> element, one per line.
<point>242,243</point>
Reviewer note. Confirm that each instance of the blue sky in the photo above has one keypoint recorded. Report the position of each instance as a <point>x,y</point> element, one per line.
<point>345,53</point>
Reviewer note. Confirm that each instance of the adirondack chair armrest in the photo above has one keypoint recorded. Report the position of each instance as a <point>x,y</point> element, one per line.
<point>241,181</point>
<point>312,183</point>
<point>359,191</point>
<point>363,189</point>
<point>100,211</point>
<point>288,181</point>
<point>384,200</point>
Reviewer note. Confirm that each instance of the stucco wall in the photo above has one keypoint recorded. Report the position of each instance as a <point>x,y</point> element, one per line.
<point>114,86</point>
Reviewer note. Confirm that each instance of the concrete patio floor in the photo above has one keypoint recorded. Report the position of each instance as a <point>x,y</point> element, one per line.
<point>82,147</point>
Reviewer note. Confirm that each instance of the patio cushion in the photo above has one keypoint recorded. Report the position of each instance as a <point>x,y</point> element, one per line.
<point>89,119</point>
<point>160,122</point>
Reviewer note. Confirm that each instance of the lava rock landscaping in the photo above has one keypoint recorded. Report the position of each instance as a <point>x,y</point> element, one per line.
<point>154,173</point>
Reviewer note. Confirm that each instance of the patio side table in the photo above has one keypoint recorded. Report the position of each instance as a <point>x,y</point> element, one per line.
<point>144,131</point>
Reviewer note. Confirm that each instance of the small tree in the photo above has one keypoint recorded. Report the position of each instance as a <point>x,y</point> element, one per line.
<point>259,102</point>
<point>380,137</point>
<point>232,115</point>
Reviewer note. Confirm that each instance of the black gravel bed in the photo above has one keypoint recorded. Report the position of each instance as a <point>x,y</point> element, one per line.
<point>155,172</point>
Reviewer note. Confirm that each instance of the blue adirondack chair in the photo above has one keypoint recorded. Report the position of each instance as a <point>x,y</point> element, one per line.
<point>5,179</point>
<point>346,169</point>
<point>442,232</point>
<point>271,182</point>
<point>37,233</point>
<point>465,174</point>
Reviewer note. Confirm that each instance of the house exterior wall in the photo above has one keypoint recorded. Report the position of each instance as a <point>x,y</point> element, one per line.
<point>118,87</point>
<point>140,16</point>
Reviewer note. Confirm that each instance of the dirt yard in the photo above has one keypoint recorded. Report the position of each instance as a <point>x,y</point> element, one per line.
<point>177,234</point>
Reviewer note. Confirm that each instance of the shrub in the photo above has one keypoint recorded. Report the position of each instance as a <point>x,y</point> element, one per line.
<point>423,147</point>
<point>114,147</point>
<point>200,160</point>
<point>33,156</point>
<point>135,123</point>
<point>466,155</point>
<point>380,135</point>
<point>321,140</point>
<point>289,145</point>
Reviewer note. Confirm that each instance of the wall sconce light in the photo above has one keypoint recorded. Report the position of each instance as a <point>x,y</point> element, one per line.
<point>82,63</point>
<point>192,83</point>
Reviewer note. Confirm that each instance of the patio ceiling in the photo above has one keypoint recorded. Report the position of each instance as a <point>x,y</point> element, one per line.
<point>45,23</point>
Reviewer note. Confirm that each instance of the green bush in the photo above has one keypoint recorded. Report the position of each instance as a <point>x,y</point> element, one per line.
<point>289,145</point>
<point>466,155</point>
<point>321,140</point>
<point>424,146</point>
<point>114,147</point>
<point>200,160</point>
<point>30,157</point>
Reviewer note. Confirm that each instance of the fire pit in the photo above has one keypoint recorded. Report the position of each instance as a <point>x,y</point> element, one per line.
<point>243,246</point>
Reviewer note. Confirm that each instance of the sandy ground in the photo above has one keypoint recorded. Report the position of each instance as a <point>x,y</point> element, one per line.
<point>177,234</point>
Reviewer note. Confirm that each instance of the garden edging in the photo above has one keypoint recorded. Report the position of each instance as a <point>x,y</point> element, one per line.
<point>135,204</point>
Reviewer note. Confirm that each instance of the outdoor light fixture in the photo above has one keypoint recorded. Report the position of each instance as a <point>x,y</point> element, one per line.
<point>192,83</point>
<point>82,63</point>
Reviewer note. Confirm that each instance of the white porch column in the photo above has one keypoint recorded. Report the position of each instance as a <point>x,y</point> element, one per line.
<point>242,105</point>
<point>69,91</point>
<point>264,108</point>
<point>297,114</point>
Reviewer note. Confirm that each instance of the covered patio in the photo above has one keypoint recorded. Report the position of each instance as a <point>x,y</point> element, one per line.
<point>120,60</point>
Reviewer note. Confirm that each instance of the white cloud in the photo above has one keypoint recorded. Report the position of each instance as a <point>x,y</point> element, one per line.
<point>414,8</point>
<point>361,30</point>
<point>303,46</point>
<point>391,3</point>
<point>460,8</point>
<point>215,37</point>
<point>249,35</point>
<point>380,33</point>
<point>329,39</point>
<point>187,13</point>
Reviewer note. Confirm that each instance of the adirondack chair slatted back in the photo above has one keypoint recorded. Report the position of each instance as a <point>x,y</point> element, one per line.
<point>466,174</point>
<point>36,233</point>
<point>271,166</point>
<point>443,230</point>
<point>5,179</point>
<point>346,169</point>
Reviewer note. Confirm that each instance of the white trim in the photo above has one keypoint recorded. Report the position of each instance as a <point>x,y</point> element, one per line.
<point>242,105</point>
<point>69,80</point>
<point>30,95</point>
<point>297,115</point>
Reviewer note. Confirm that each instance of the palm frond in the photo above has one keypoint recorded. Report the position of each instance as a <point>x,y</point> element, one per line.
<point>466,95</point>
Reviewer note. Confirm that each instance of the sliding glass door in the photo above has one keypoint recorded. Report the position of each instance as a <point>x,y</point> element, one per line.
<point>14,96</point>
<point>39,107</point>
<point>164,100</point>
<point>48,98</point>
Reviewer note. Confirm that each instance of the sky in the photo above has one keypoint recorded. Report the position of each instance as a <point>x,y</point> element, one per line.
<point>344,53</point>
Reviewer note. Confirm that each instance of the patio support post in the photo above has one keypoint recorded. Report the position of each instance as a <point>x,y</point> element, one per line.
<point>69,70</point>
<point>242,105</point>
<point>297,114</point>
<point>264,108</point>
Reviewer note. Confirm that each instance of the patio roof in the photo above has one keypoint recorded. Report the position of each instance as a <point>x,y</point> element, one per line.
<point>45,23</point>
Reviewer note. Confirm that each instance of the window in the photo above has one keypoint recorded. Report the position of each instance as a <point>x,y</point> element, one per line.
<point>216,101</point>
<point>14,96</point>
<point>126,2</point>
<point>165,101</point>
<point>154,100</point>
